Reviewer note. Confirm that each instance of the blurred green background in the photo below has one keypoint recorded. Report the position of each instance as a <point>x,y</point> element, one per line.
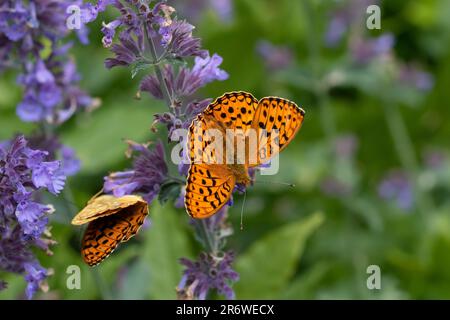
<point>314,241</point>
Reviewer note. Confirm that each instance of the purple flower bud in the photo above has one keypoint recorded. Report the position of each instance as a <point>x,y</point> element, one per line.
<point>109,30</point>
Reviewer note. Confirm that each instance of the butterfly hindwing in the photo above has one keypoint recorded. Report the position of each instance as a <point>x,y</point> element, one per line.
<point>105,232</point>
<point>209,187</point>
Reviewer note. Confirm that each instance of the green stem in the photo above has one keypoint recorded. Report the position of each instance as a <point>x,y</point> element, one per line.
<point>406,154</point>
<point>205,234</point>
<point>105,292</point>
<point>320,91</point>
<point>326,116</point>
<point>159,74</point>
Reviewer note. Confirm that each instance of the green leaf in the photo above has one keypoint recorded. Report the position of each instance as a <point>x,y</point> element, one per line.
<point>268,265</point>
<point>166,242</point>
<point>169,191</point>
<point>139,66</point>
<point>304,286</point>
<point>98,137</point>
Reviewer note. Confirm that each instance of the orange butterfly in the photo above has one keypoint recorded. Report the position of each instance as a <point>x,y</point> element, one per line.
<point>212,177</point>
<point>111,221</point>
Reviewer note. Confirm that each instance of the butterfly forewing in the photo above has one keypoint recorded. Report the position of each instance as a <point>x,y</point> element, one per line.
<point>104,205</point>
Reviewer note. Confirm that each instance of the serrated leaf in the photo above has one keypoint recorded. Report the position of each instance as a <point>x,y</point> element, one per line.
<point>268,265</point>
<point>138,66</point>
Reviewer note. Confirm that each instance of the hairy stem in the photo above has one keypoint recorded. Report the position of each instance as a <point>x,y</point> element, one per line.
<point>158,71</point>
<point>203,231</point>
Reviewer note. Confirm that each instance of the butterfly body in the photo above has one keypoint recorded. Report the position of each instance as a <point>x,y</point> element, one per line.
<point>234,133</point>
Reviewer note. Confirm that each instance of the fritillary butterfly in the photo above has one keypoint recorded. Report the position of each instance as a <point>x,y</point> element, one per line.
<point>210,182</point>
<point>111,221</point>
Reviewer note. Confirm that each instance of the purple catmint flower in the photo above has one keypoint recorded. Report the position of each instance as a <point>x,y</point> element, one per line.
<point>397,187</point>
<point>275,57</point>
<point>35,275</point>
<point>109,30</point>
<point>148,174</point>
<point>207,273</point>
<point>23,173</point>
<point>127,51</point>
<point>70,164</point>
<point>173,38</point>
<point>177,37</point>
<point>26,29</point>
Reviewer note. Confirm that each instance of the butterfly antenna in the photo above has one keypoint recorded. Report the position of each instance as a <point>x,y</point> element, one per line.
<point>292,185</point>
<point>96,195</point>
<point>242,210</point>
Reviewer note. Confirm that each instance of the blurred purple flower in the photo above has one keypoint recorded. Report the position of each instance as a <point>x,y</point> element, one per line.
<point>333,187</point>
<point>414,77</point>
<point>350,14</point>
<point>434,158</point>
<point>194,8</point>
<point>148,174</point>
<point>346,146</point>
<point>275,57</point>
<point>70,163</point>
<point>224,8</point>
<point>207,273</point>
<point>364,50</point>
<point>398,188</point>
